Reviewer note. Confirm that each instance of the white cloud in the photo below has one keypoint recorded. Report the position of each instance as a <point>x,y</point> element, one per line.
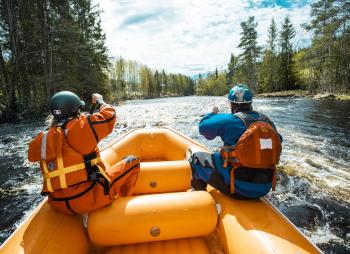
<point>187,36</point>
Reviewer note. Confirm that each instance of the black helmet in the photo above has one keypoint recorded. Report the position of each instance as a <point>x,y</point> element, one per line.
<point>65,104</point>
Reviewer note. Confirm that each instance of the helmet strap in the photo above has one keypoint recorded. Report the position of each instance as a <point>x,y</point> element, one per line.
<point>240,107</point>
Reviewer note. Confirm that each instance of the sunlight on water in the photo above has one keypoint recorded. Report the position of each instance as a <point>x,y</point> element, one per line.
<point>307,153</point>
<point>322,235</point>
<point>310,157</point>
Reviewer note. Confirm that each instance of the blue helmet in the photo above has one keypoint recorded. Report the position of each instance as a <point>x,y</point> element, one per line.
<point>240,94</point>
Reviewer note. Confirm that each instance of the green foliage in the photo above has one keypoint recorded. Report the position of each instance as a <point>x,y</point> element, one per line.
<point>47,46</point>
<point>322,67</point>
<point>328,58</point>
<point>302,72</point>
<point>147,82</point>
<point>213,85</point>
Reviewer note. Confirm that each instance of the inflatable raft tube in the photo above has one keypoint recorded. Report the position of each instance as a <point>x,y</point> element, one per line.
<point>229,225</point>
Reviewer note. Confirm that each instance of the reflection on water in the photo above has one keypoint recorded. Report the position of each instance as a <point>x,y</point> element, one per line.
<point>314,183</point>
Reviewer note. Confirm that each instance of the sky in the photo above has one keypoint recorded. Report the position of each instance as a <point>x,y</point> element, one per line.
<point>191,36</point>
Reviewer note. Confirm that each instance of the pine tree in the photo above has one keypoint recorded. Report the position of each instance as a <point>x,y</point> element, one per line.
<point>120,77</point>
<point>231,67</point>
<point>269,65</point>
<point>287,80</point>
<point>157,84</point>
<point>165,88</point>
<point>251,52</point>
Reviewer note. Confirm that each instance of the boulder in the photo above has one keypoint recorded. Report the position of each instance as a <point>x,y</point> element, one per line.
<point>325,96</point>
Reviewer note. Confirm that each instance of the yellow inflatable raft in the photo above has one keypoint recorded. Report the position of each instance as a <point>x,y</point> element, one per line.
<point>163,216</point>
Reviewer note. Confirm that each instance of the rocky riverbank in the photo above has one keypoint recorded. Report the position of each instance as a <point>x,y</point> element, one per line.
<point>302,93</point>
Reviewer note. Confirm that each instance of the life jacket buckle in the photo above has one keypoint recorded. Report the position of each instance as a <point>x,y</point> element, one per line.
<point>90,169</point>
<point>104,182</point>
<point>93,176</point>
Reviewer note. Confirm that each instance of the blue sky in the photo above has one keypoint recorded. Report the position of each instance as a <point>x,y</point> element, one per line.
<point>191,36</point>
<point>280,3</point>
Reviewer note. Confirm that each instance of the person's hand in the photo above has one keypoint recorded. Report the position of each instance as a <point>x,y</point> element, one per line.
<point>96,97</point>
<point>214,109</point>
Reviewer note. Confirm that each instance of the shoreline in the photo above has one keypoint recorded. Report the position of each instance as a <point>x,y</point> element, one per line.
<point>304,94</point>
<point>22,117</point>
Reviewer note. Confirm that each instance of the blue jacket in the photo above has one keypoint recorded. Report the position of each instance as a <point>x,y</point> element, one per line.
<point>230,128</point>
<point>227,126</point>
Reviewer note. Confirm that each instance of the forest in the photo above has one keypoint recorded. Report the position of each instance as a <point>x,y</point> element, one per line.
<point>46,46</point>
<point>50,45</point>
<point>324,66</point>
<point>130,79</point>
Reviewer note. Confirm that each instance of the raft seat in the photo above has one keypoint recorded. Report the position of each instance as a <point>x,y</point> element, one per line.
<point>154,218</point>
<point>163,176</point>
<point>195,245</point>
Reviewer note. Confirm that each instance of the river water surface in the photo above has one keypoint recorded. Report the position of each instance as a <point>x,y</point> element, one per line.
<point>313,183</point>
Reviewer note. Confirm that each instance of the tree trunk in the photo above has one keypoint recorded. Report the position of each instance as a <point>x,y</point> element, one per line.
<point>13,32</point>
<point>4,74</point>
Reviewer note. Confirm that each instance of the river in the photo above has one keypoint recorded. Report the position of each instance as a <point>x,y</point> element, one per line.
<point>313,188</point>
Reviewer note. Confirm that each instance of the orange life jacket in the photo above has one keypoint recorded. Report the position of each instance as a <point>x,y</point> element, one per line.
<point>259,147</point>
<point>74,176</point>
<point>61,165</point>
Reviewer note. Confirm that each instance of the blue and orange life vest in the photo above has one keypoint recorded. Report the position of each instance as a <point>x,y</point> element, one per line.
<point>258,148</point>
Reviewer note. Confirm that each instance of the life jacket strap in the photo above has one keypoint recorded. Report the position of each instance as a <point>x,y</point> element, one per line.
<point>228,154</point>
<point>46,177</point>
<point>104,183</point>
<point>274,178</point>
<point>74,196</point>
<point>232,180</point>
<point>89,166</point>
<point>62,171</point>
<point>95,172</point>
